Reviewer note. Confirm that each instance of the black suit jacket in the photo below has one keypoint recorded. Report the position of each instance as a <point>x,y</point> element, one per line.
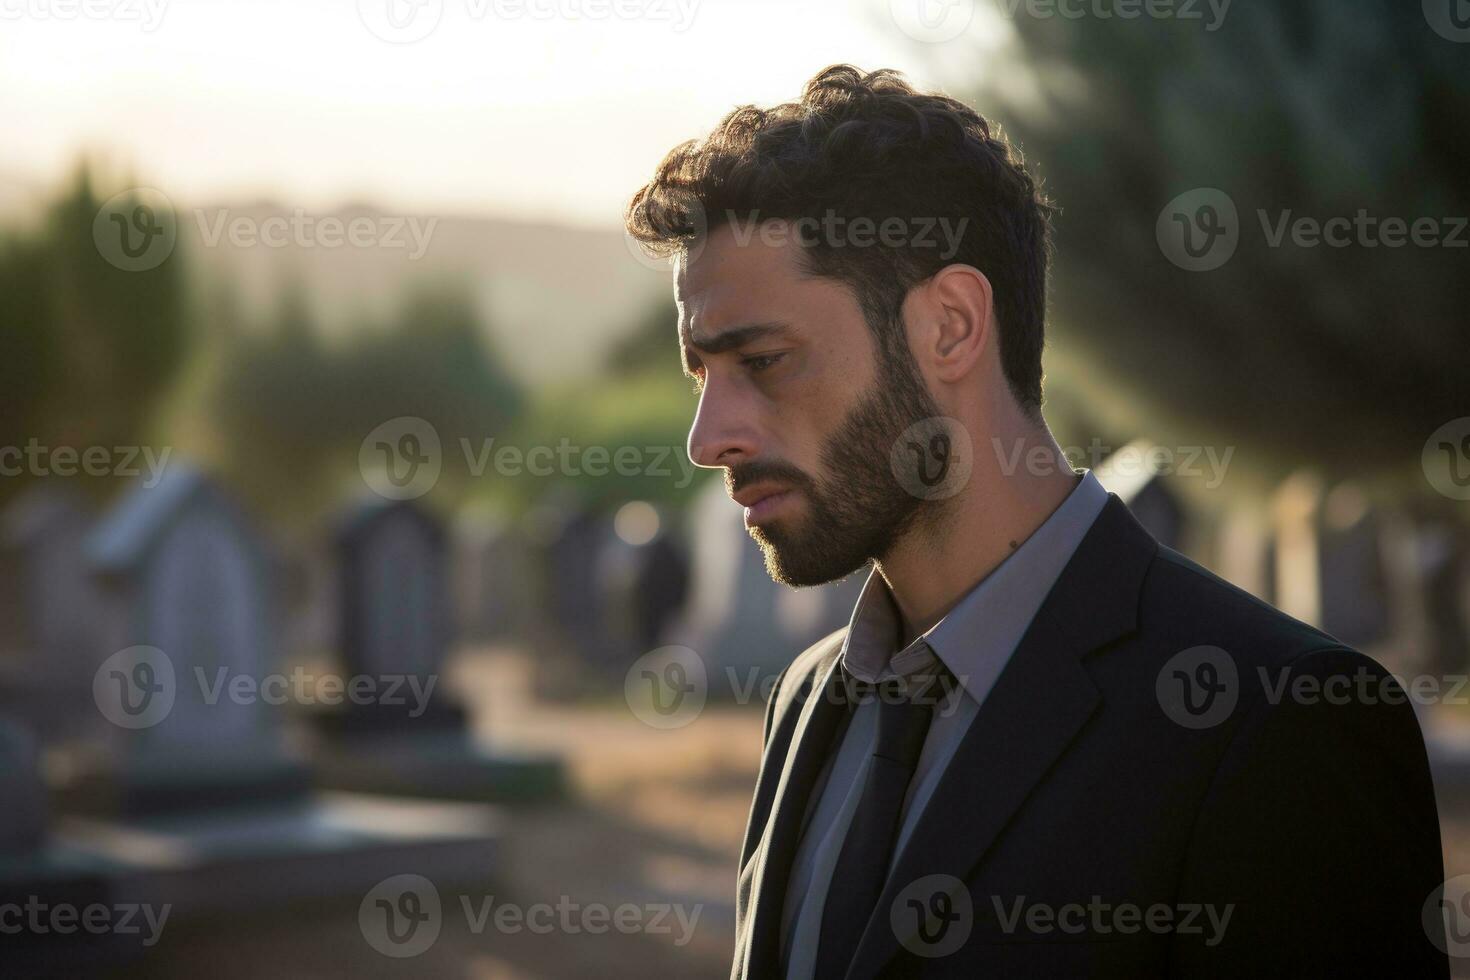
<point>1101,776</point>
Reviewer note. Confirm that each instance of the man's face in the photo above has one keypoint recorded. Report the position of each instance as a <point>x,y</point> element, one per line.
<point>796,405</point>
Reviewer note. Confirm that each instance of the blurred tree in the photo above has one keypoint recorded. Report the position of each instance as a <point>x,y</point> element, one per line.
<point>293,409</point>
<point>641,405</point>
<point>1342,357</point>
<point>88,348</point>
<point>651,344</point>
<point>643,416</point>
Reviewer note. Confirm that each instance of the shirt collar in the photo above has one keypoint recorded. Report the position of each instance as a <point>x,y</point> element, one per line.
<point>976,637</point>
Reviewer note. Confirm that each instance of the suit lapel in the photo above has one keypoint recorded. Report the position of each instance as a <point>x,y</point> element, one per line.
<point>809,736</point>
<point>1039,703</point>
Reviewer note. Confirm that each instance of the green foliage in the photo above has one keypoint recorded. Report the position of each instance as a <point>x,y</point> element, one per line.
<point>642,406</point>
<point>644,415</point>
<point>294,410</point>
<point>88,348</point>
<point>652,344</point>
<point>1340,357</point>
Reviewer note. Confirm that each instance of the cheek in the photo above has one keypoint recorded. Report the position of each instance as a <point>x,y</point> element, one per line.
<point>821,397</point>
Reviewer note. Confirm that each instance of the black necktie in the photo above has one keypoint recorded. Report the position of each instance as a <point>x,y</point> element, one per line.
<point>862,864</point>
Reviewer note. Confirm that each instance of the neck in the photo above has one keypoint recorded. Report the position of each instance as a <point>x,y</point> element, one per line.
<point>949,552</point>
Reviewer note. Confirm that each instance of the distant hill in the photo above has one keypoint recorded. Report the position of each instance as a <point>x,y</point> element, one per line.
<point>554,297</point>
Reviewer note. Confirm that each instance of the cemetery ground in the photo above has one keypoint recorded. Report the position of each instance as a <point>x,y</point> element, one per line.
<point>655,818</point>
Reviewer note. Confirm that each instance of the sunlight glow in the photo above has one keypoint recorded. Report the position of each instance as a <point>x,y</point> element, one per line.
<point>539,109</point>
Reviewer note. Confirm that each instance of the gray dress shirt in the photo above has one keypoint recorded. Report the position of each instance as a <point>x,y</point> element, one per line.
<point>974,640</point>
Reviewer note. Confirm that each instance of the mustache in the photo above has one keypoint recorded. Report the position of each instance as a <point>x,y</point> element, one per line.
<point>742,475</point>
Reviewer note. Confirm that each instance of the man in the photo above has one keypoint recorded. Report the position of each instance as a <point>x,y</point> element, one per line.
<point>1045,746</point>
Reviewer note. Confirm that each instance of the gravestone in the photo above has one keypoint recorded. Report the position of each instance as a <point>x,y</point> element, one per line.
<point>23,817</point>
<point>307,597</point>
<point>661,587</point>
<point>615,583</point>
<point>197,804</point>
<point>1242,554</point>
<point>568,564</point>
<point>192,622</point>
<point>570,589</point>
<point>50,612</point>
<point>490,587</point>
<point>36,870</point>
<point>1442,556</point>
<point>395,616</point>
<point>642,584</point>
<point>1353,575</point>
<point>396,629</point>
<point>1296,572</point>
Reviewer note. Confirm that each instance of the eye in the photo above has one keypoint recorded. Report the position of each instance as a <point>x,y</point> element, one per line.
<point>759,362</point>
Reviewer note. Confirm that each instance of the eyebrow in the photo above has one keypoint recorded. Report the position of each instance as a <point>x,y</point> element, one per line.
<point>727,340</point>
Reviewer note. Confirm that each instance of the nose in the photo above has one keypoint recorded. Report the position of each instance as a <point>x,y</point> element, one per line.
<point>722,433</point>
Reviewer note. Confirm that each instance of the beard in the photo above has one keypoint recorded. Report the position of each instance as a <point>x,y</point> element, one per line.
<point>858,510</point>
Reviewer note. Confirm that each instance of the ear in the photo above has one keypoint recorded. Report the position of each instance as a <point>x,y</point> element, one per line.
<point>956,321</point>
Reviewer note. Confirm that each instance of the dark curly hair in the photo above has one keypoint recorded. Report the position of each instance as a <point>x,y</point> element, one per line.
<point>868,145</point>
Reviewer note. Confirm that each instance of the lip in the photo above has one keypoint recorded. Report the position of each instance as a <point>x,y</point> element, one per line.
<point>761,502</point>
<point>750,496</point>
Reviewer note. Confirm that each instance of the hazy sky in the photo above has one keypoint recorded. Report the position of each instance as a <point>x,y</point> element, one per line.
<point>536,108</point>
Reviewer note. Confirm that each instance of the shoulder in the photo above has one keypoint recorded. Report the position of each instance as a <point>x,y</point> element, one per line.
<point>1196,632</point>
<point>1183,605</point>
